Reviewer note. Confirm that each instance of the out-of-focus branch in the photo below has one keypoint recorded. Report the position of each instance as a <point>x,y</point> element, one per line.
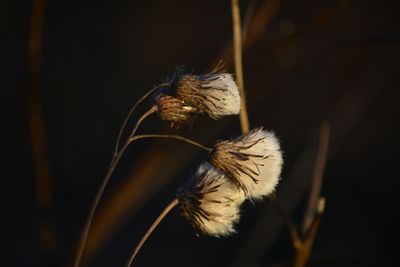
<point>251,8</point>
<point>47,234</point>
<point>318,176</point>
<point>237,55</point>
<point>316,204</point>
<point>304,248</point>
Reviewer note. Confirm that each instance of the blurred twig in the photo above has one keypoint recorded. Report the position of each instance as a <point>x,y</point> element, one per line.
<point>304,247</point>
<point>316,204</point>
<point>318,176</point>
<point>251,8</point>
<point>47,234</point>
<point>237,55</point>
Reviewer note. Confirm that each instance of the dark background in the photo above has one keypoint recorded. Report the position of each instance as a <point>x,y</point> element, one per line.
<point>313,60</point>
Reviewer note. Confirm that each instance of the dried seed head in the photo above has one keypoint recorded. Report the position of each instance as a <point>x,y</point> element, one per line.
<point>253,160</point>
<point>211,202</point>
<point>174,110</point>
<point>216,93</point>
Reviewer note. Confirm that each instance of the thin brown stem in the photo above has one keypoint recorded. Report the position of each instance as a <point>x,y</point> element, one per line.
<point>167,209</point>
<point>131,112</point>
<point>103,185</point>
<point>237,52</point>
<point>171,136</point>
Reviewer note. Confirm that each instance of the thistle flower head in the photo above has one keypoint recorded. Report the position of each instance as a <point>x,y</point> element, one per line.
<point>174,110</point>
<point>253,160</point>
<point>211,202</point>
<point>188,95</point>
<point>216,93</point>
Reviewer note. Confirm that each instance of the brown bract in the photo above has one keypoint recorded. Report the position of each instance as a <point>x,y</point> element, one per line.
<point>174,110</point>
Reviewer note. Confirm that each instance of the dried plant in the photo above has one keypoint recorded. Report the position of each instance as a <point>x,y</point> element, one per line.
<point>247,167</point>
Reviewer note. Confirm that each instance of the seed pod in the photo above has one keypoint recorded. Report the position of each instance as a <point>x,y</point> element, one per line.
<point>211,202</point>
<point>253,161</point>
<point>174,110</point>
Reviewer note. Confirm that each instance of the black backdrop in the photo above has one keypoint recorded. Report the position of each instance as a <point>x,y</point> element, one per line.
<point>315,60</point>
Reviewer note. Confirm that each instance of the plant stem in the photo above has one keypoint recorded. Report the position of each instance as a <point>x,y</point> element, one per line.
<point>131,112</point>
<point>171,136</point>
<point>103,185</point>
<point>237,52</point>
<point>167,209</point>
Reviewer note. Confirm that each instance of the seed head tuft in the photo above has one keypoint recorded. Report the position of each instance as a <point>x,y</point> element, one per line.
<point>216,93</point>
<point>211,202</point>
<point>253,161</point>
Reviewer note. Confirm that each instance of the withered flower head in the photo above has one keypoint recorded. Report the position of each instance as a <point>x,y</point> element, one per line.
<point>253,160</point>
<point>210,201</point>
<point>216,93</point>
<point>174,110</point>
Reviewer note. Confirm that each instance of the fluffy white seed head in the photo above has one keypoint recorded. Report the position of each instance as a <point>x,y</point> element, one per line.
<point>210,201</point>
<point>216,94</point>
<point>254,162</point>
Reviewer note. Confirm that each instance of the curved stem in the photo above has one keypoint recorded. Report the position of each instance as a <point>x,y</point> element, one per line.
<point>171,136</point>
<point>131,112</point>
<point>103,185</point>
<point>237,48</point>
<point>167,209</point>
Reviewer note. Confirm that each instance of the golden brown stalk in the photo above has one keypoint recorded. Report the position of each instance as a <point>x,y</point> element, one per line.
<point>237,47</point>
